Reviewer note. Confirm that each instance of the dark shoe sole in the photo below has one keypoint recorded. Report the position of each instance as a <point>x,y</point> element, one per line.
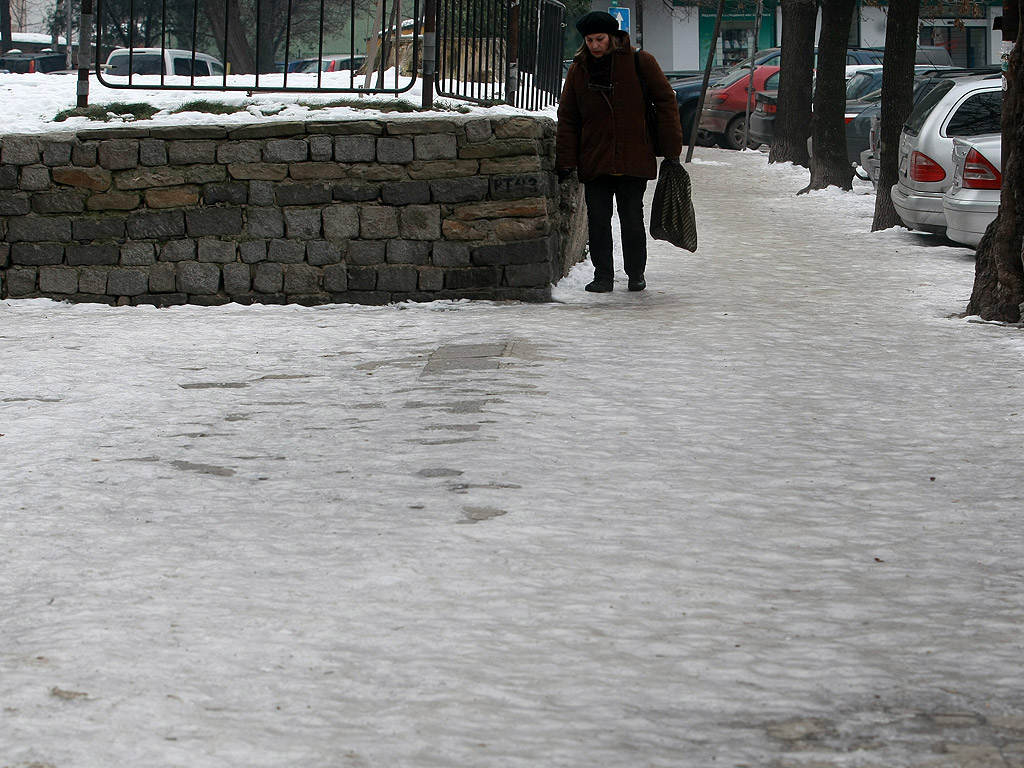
<point>599,286</point>
<point>637,285</point>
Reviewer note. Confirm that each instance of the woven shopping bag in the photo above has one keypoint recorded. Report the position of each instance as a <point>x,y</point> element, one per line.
<point>672,217</point>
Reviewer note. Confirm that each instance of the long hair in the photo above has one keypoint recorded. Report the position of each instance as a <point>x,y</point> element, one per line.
<point>615,41</point>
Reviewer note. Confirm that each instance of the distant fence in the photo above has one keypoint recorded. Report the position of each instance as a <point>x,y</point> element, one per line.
<point>485,51</point>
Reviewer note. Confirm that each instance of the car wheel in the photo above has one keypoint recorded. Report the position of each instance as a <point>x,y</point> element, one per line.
<point>733,136</point>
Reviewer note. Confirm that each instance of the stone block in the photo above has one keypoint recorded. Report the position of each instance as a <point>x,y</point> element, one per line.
<point>479,130</point>
<point>466,230</point>
<point>267,130</point>
<point>118,154</point>
<point>408,252</point>
<point>113,201</point>
<point>435,146</point>
<point>56,153</point>
<point>521,229</point>
<point>511,166</point>
<point>186,152</point>
<point>341,222</point>
<point>446,254</point>
<point>265,222</point>
<point>142,178</point>
<point>345,128</point>
<point>475,277</point>
<point>58,280</point>
<point>378,223</point>
<point>304,194</point>
<point>318,170</point>
<point>321,148</point>
<point>135,254</point>
<point>37,254</point>
<point>362,278</point>
<point>178,250</point>
<point>195,278</point>
<point>356,192</point>
<point>400,278</point>
<point>518,127</point>
<point>520,185</point>
<point>172,197</point>
<point>127,282</point>
<point>527,207</point>
<point>162,278</point>
<point>376,172</point>
<point>355,149</point>
<point>420,222</point>
<point>213,221</point>
<point>14,203</point>
<point>286,251</point>
<point>261,192</point>
<point>34,229</point>
<point>528,275</point>
<point>259,171</point>
<point>500,148</point>
<point>232,193</point>
<point>35,178</point>
<point>21,150</point>
<point>366,252</point>
<point>237,279</point>
<point>269,278</point>
<point>239,152</point>
<point>431,279</point>
<point>156,225</point>
<point>252,251</point>
<point>92,281</point>
<point>411,125</point>
<point>442,169</point>
<point>216,251</point>
<point>58,202</point>
<point>540,251</point>
<point>8,177</point>
<point>286,151</point>
<point>405,193</point>
<point>459,190</point>
<point>92,255</point>
<point>301,278</point>
<point>395,150</point>
<point>302,223</point>
<point>321,252</point>
<point>335,278</point>
<point>202,131</point>
<point>21,281</point>
<point>84,155</point>
<point>152,152</point>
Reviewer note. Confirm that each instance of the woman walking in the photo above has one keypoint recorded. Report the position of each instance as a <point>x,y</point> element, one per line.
<point>603,135</point>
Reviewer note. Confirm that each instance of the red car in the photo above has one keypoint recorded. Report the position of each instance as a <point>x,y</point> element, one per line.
<point>725,105</point>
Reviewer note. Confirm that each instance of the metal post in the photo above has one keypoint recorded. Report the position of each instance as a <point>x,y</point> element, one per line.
<point>429,52</point>
<point>753,64</point>
<point>85,53</point>
<point>512,76</point>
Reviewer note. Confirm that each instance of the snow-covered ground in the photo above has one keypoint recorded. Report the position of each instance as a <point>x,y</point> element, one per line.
<point>765,513</point>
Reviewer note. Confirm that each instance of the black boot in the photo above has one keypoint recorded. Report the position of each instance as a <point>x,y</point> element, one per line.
<point>637,283</point>
<point>600,285</point>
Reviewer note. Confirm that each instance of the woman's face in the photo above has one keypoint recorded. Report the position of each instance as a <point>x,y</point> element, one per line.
<point>597,43</point>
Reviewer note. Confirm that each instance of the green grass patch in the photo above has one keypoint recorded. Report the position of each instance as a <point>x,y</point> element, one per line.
<point>117,110</point>
<point>209,107</point>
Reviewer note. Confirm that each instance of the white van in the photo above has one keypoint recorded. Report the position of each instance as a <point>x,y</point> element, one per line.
<point>161,61</point>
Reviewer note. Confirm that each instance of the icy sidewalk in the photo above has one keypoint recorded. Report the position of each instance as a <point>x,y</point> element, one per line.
<point>766,513</point>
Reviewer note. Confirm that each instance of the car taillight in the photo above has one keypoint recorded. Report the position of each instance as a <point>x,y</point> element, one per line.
<point>979,173</point>
<point>769,109</point>
<point>924,169</point>
<point>849,118</point>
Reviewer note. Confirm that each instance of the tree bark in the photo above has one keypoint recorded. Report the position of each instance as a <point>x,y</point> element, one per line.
<point>999,272</point>
<point>238,51</point>
<point>793,118</point>
<point>897,103</point>
<point>5,26</point>
<point>830,166</point>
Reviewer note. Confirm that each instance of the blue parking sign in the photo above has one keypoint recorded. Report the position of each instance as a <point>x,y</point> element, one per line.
<point>622,16</point>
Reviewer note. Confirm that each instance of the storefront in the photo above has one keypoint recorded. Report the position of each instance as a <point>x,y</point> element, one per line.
<point>736,35</point>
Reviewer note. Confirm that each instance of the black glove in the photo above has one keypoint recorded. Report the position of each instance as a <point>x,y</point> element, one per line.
<point>564,174</point>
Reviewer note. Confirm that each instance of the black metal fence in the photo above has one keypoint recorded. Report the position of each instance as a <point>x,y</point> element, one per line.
<point>487,51</point>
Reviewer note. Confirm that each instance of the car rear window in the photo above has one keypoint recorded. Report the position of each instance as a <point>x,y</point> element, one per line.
<point>141,64</point>
<point>925,106</point>
<point>183,66</point>
<point>981,113</point>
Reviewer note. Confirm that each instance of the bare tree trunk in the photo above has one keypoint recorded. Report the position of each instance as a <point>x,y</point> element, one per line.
<point>999,273</point>
<point>897,103</point>
<point>830,166</point>
<point>5,26</point>
<point>238,53</point>
<point>793,118</point>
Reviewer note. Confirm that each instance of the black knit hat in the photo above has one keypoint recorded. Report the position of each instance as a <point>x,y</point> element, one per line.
<point>596,22</point>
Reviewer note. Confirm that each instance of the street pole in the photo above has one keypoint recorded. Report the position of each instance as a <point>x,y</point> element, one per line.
<point>85,53</point>
<point>707,77</point>
<point>429,52</point>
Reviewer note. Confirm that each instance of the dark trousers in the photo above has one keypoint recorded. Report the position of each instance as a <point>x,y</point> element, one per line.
<point>628,194</point>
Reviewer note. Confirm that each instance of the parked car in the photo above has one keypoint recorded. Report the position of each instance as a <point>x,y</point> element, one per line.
<point>24,63</point>
<point>972,200</point>
<point>725,106</point>
<point>123,62</point>
<point>331,64</point>
<point>762,117</point>
<point>967,107</point>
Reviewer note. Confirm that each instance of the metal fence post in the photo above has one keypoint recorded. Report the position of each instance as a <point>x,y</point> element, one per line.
<point>512,73</point>
<point>85,53</point>
<point>429,52</point>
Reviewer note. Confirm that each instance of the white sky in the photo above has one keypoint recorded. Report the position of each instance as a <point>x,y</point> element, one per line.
<point>766,510</point>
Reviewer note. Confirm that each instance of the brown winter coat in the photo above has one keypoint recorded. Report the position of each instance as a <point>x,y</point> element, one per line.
<point>602,133</point>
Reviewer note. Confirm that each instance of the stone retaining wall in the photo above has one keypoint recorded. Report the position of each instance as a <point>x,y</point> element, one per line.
<point>362,211</point>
